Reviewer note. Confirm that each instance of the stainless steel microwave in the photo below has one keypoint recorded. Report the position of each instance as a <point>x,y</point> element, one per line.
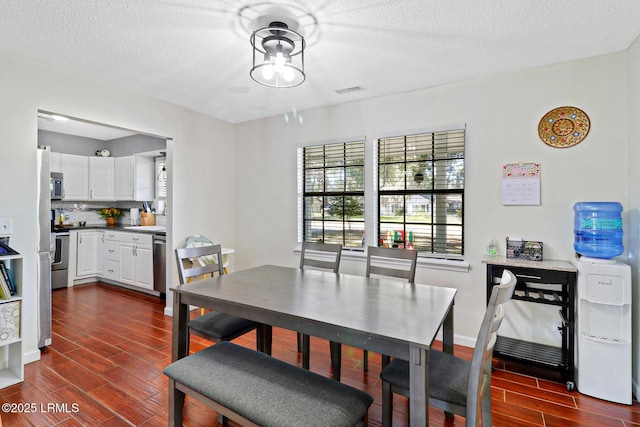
<point>57,186</point>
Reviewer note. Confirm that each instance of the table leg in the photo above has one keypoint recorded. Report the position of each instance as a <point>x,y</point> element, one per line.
<point>264,335</point>
<point>306,349</point>
<point>447,332</point>
<point>180,331</point>
<point>335,348</point>
<point>418,386</point>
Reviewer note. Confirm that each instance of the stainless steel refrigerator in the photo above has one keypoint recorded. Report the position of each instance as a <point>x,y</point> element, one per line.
<point>44,248</point>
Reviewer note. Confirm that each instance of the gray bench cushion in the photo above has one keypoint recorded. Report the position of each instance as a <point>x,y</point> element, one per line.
<point>268,391</point>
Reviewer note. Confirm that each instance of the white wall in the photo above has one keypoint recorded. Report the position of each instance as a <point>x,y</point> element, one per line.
<point>502,114</point>
<point>200,158</point>
<point>237,185</point>
<point>633,204</point>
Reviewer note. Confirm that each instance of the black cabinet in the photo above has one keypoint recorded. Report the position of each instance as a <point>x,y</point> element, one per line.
<point>540,282</point>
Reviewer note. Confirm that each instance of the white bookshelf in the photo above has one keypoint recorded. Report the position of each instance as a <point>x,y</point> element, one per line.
<point>11,354</point>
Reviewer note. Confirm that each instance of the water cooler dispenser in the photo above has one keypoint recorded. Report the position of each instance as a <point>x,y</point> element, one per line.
<point>603,328</point>
<point>603,332</point>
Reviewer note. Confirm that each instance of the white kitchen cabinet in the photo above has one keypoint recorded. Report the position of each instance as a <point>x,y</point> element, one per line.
<point>120,257</point>
<point>76,176</point>
<point>11,356</point>
<point>55,162</point>
<point>111,256</point>
<point>134,178</point>
<point>144,266</point>
<point>101,178</point>
<point>99,250</point>
<point>87,255</point>
<point>136,259</point>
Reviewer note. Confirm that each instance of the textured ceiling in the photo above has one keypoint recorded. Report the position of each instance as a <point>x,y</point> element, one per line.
<point>196,53</point>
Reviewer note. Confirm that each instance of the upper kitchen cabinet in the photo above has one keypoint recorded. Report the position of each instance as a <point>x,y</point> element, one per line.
<point>135,178</point>
<point>76,176</point>
<point>55,162</point>
<point>101,178</point>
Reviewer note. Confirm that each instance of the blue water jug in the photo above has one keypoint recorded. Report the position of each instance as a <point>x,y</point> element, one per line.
<point>598,229</point>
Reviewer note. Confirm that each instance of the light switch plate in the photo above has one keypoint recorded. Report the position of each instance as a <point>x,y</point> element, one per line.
<point>6,226</point>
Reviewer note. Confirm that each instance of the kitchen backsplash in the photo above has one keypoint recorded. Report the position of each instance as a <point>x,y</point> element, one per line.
<point>79,212</point>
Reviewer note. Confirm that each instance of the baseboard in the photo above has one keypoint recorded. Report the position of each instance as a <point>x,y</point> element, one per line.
<point>31,356</point>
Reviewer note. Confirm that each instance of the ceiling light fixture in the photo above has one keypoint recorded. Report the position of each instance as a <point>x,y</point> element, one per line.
<point>278,56</point>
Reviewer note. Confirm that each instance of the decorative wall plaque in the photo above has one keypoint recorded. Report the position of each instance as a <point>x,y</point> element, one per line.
<point>564,127</point>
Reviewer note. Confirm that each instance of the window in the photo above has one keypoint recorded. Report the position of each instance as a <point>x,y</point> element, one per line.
<point>421,192</point>
<point>333,193</point>
<point>161,177</point>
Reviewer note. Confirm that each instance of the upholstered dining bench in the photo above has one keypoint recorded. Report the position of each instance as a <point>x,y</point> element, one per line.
<point>255,389</point>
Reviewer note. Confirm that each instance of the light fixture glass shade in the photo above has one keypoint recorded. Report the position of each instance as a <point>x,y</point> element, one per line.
<point>278,56</point>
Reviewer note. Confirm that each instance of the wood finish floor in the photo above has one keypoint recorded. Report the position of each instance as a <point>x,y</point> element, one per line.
<point>110,346</point>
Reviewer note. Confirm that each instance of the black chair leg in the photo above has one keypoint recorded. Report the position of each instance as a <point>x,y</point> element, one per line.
<point>366,361</point>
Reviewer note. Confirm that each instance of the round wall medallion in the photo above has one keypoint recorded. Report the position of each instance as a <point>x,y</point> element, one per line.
<point>564,127</point>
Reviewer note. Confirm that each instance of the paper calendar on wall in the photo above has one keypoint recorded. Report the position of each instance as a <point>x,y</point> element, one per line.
<point>521,184</point>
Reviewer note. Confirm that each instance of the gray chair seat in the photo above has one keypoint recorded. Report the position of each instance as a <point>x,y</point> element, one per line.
<point>267,391</point>
<point>448,376</point>
<point>219,326</point>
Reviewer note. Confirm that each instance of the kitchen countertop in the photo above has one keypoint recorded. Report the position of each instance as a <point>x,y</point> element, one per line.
<point>117,227</point>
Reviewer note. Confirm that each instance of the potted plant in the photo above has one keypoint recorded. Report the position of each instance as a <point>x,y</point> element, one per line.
<point>110,214</point>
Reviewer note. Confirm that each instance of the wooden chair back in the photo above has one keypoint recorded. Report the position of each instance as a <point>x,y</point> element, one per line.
<point>321,255</point>
<point>378,262</point>
<point>187,268</point>
<point>480,373</point>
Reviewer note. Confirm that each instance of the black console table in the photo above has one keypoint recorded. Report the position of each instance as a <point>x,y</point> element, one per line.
<point>541,282</point>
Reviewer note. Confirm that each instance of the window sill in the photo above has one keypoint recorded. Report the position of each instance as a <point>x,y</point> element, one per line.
<point>359,255</point>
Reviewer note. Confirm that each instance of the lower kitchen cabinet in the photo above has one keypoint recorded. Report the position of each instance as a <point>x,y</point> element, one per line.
<point>136,260</point>
<point>116,256</point>
<point>110,256</point>
<point>89,254</point>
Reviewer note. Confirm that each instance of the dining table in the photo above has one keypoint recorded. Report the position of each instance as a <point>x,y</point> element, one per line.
<point>379,314</point>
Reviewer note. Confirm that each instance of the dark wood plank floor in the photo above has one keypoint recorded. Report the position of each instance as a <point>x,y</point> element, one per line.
<point>110,346</point>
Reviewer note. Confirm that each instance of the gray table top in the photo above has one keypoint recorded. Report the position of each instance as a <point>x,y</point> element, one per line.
<point>327,305</point>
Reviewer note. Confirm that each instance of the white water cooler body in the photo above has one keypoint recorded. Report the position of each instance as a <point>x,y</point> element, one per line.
<point>603,330</point>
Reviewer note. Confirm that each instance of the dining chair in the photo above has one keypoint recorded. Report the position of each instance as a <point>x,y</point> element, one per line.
<point>212,326</point>
<point>390,262</point>
<point>325,256</point>
<point>456,385</point>
<point>197,240</point>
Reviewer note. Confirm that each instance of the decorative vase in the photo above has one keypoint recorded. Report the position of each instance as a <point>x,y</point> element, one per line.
<point>111,220</point>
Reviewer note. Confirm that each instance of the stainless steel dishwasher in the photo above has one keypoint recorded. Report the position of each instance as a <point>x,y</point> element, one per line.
<point>160,263</point>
